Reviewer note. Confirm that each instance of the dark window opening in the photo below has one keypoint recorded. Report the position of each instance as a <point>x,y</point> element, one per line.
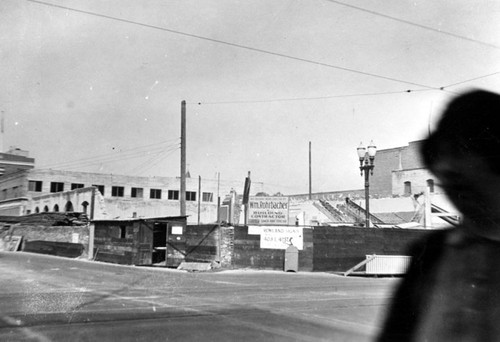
<point>76,186</point>
<point>123,232</point>
<point>35,186</point>
<point>430,185</point>
<point>190,196</point>
<point>136,193</point>
<point>117,191</point>
<point>56,186</point>
<point>208,197</point>
<point>56,208</point>
<point>155,193</point>
<point>45,209</point>
<point>407,188</point>
<point>100,188</point>
<point>173,194</point>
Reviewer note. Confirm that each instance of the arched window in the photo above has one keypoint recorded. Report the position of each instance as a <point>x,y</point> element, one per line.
<point>37,210</point>
<point>45,209</point>
<point>56,208</point>
<point>68,207</point>
<point>407,188</point>
<point>430,185</point>
<point>85,205</point>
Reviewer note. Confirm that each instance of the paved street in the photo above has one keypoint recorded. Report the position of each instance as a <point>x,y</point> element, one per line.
<point>45,298</point>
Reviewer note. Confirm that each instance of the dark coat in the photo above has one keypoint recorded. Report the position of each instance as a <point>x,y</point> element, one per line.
<point>450,293</point>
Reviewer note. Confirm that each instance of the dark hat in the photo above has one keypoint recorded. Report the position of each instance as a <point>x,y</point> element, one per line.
<point>469,125</point>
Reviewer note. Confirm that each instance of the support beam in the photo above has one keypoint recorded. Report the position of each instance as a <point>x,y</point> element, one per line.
<point>182,195</point>
<point>310,172</point>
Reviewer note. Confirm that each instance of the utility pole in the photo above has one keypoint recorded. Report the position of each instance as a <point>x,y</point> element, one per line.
<point>182,198</point>
<point>219,233</point>
<point>199,200</point>
<point>246,195</point>
<point>310,173</point>
<point>218,199</point>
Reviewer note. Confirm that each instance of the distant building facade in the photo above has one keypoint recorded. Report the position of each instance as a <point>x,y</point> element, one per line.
<point>115,196</point>
<point>401,171</point>
<point>398,171</point>
<point>397,160</point>
<point>15,160</point>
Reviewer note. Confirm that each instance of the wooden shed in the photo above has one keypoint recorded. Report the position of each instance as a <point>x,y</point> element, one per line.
<point>140,241</point>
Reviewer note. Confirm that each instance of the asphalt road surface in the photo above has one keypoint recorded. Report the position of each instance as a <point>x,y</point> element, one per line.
<point>46,298</point>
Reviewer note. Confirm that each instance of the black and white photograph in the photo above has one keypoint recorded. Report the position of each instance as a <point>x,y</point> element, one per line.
<point>250,170</point>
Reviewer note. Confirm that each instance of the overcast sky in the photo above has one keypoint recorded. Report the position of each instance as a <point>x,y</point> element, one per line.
<point>97,86</point>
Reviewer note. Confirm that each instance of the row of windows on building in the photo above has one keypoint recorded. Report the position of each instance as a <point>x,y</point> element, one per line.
<point>119,191</point>
<point>408,190</point>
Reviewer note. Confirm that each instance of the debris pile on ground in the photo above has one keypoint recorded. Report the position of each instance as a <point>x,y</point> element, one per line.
<point>55,219</point>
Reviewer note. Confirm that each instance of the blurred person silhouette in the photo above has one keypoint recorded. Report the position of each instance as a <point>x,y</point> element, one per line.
<point>451,291</point>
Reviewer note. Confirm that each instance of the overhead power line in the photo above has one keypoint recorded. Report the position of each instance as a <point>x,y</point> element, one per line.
<point>311,98</point>
<point>470,80</point>
<point>343,96</point>
<point>136,152</point>
<point>111,156</point>
<point>146,166</point>
<point>414,24</point>
<point>249,48</point>
<point>107,161</point>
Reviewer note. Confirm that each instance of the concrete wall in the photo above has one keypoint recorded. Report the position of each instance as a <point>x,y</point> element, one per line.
<point>120,208</point>
<point>325,248</point>
<point>125,208</point>
<point>79,199</point>
<point>340,248</point>
<point>248,254</point>
<point>68,234</point>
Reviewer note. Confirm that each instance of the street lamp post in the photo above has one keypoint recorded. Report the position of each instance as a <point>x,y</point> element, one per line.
<point>366,164</point>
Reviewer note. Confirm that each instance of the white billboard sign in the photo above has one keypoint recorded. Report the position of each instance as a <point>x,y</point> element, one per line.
<point>281,237</point>
<point>268,210</point>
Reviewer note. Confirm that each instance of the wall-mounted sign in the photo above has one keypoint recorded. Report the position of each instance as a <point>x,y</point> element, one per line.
<point>268,210</point>
<point>177,230</point>
<point>272,237</point>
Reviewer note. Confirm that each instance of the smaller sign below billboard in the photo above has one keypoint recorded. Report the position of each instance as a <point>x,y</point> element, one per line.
<point>272,237</point>
<point>268,210</point>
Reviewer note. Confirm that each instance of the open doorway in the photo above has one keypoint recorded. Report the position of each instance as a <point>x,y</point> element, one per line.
<point>159,243</point>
